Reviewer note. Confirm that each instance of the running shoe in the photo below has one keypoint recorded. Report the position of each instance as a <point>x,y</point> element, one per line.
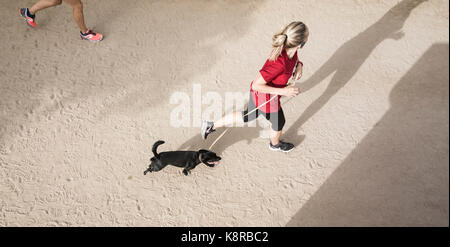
<point>282,146</point>
<point>207,128</point>
<point>28,17</point>
<point>91,36</point>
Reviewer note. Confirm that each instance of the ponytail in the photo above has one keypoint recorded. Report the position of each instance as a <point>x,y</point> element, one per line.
<point>292,35</point>
<point>278,43</point>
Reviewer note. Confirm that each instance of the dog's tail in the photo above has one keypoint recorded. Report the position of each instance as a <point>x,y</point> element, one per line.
<point>155,146</point>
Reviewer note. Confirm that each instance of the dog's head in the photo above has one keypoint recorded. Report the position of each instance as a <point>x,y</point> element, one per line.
<point>209,158</point>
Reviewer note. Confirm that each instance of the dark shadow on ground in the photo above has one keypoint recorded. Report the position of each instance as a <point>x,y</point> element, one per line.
<point>398,175</point>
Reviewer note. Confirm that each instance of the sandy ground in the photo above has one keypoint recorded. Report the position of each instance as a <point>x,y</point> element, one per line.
<point>77,120</point>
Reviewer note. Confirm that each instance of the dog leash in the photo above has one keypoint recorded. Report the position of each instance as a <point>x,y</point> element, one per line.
<point>248,113</point>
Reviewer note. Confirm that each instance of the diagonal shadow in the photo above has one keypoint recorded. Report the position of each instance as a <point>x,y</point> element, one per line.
<point>349,57</point>
<point>398,175</point>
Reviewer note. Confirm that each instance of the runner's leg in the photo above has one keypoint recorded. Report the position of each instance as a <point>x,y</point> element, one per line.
<point>43,4</point>
<point>78,16</point>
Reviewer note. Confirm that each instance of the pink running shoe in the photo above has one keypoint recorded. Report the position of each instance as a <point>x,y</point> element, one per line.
<point>91,36</point>
<point>27,15</point>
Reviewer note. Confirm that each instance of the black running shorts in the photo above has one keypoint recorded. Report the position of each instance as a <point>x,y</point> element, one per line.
<point>275,118</point>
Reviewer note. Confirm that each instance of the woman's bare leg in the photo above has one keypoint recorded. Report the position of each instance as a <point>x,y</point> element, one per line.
<point>275,136</point>
<point>229,120</point>
<point>78,16</point>
<point>43,4</point>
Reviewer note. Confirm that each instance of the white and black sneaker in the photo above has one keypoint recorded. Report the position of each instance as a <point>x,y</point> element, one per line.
<point>207,128</point>
<point>282,146</point>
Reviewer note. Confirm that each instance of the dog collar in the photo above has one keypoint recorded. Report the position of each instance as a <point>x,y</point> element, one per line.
<point>200,158</point>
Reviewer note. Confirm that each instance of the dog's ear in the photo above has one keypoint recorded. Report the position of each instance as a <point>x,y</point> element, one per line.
<point>202,151</point>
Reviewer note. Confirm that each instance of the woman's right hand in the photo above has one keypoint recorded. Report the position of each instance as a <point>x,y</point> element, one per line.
<point>290,91</point>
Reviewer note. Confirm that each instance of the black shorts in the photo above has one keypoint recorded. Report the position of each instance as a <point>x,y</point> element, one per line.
<point>276,119</point>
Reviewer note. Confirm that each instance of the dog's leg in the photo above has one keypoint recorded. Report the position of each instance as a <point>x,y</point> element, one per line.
<point>148,170</point>
<point>189,166</point>
<point>185,171</point>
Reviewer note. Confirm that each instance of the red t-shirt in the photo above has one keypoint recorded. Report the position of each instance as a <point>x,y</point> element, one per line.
<point>276,74</point>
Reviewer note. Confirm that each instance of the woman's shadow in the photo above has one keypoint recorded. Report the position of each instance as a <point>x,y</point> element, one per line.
<point>345,62</point>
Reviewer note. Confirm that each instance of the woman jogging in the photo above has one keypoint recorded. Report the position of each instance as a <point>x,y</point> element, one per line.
<point>272,80</point>
<point>78,16</point>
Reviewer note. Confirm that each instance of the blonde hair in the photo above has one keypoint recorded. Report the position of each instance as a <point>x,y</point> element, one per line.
<point>291,36</point>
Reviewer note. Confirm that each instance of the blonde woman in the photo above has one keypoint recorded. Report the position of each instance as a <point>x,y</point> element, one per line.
<point>271,80</point>
<point>77,5</point>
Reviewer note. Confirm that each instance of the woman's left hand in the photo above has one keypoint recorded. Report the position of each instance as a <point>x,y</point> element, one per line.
<point>299,72</point>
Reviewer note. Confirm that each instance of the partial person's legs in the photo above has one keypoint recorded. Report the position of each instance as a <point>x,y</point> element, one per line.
<point>43,4</point>
<point>78,16</point>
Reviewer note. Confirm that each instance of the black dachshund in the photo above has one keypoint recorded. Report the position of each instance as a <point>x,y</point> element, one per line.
<point>187,159</point>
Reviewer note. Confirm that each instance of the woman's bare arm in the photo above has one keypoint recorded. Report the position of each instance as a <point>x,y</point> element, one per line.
<point>260,85</point>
